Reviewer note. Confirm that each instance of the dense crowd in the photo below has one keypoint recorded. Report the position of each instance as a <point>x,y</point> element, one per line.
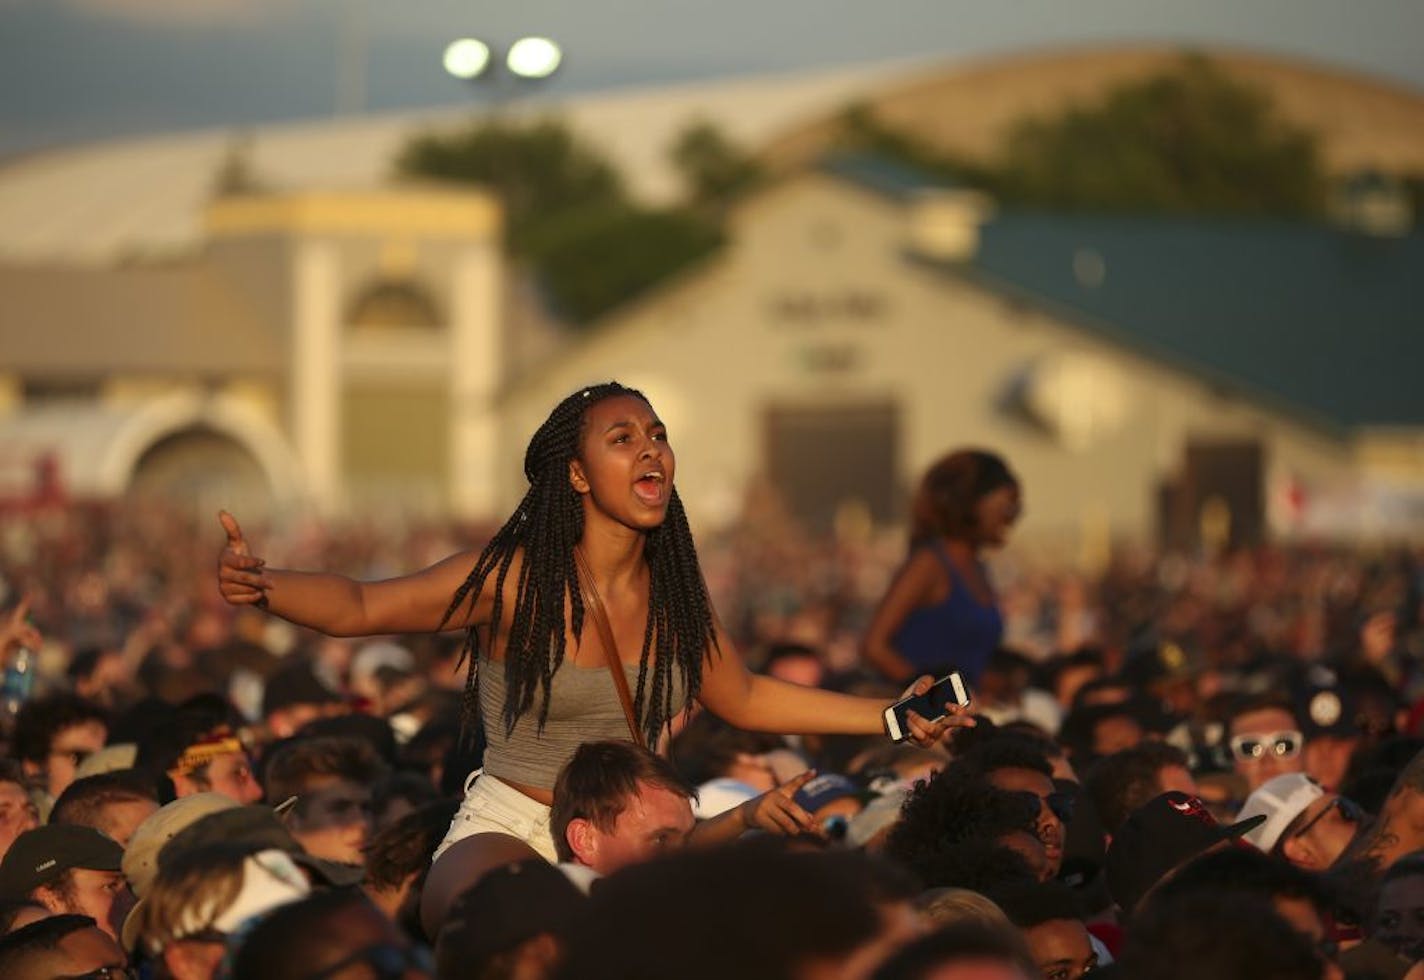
<point>1181,766</point>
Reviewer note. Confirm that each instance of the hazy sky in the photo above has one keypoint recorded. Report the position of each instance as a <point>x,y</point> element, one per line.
<point>76,70</point>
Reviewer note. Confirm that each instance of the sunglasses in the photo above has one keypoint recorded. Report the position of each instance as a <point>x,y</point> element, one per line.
<point>1275,745</point>
<point>1349,810</point>
<point>1059,803</point>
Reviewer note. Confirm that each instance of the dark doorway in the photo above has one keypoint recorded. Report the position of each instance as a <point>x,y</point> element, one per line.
<point>202,469</point>
<point>825,457</point>
<point>1219,498</point>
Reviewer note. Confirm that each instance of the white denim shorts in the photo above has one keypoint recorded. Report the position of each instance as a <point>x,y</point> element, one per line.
<point>494,807</point>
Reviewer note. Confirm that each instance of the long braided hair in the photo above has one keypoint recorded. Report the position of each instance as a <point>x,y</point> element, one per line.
<point>547,525</point>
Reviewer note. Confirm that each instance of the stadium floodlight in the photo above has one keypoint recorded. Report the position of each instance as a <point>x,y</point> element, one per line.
<point>534,57</point>
<point>467,58</point>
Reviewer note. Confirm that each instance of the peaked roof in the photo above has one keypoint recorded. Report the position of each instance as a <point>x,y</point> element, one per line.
<point>1327,322</point>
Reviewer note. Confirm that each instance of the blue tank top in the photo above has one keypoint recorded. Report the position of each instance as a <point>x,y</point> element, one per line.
<point>959,633</point>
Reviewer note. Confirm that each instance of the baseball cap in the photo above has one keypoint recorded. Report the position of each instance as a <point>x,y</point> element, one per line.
<point>110,758</point>
<point>1164,660</point>
<point>140,860</point>
<point>1159,836</point>
<point>39,856</point>
<point>1328,710</point>
<point>717,796</point>
<point>1280,800</point>
<point>381,653</point>
<point>823,790</point>
<point>507,906</point>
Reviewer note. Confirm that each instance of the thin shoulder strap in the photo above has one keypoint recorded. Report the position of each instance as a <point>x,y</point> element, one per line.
<point>593,607</point>
<point>937,546</point>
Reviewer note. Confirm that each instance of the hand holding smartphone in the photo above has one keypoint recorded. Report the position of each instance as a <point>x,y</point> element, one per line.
<point>930,706</point>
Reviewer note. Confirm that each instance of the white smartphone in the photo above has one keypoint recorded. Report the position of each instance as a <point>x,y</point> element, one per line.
<point>929,706</point>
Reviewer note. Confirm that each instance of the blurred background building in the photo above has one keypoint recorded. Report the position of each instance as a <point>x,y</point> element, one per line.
<point>296,316</point>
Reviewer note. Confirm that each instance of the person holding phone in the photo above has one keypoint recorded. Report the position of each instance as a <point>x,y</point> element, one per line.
<point>940,612</point>
<point>601,519</point>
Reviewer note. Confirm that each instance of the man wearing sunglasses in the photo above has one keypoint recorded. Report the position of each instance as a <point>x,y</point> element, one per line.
<point>1304,824</point>
<point>1265,741</point>
<point>1014,764</point>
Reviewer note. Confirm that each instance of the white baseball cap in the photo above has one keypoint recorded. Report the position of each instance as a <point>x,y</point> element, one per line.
<point>717,796</point>
<point>1280,800</point>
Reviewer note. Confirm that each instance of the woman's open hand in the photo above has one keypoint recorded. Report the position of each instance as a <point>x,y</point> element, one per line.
<point>242,578</point>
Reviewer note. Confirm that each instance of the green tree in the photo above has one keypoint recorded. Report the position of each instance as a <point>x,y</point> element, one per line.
<point>860,130</point>
<point>598,258</point>
<point>569,218</point>
<point>714,170</point>
<point>539,171</point>
<point>1188,140</point>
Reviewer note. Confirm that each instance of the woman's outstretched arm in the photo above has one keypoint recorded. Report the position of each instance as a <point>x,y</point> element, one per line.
<point>341,606</point>
<point>765,704</point>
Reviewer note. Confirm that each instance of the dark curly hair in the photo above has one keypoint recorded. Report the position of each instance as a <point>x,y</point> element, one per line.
<point>955,808</point>
<point>40,720</point>
<point>1004,751</point>
<point>944,502</point>
<point>1125,781</point>
<point>546,526</point>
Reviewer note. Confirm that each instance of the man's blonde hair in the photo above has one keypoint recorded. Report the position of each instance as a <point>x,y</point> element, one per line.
<point>199,882</point>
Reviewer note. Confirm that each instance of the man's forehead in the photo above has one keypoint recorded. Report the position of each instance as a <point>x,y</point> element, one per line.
<point>1016,777</point>
<point>1262,720</point>
<point>653,802</point>
<point>230,758</point>
<point>80,731</point>
<point>336,786</point>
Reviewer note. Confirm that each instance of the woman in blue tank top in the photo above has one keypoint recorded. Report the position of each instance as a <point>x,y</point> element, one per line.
<point>940,612</point>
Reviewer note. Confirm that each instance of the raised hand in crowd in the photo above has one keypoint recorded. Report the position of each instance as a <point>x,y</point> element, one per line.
<point>776,811</point>
<point>242,577</point>
<point>17,631</point>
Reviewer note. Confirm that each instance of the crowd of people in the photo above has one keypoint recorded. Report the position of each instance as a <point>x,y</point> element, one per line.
<point>1172,766</point>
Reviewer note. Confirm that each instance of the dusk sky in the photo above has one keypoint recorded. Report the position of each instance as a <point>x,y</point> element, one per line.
<point>79,70</point>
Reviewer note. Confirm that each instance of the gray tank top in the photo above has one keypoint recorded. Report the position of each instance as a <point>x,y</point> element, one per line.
<point>583,707</point>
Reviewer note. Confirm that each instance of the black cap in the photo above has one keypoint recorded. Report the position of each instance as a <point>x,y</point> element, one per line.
<point>1160,835</point>
<point>506,907</point>
<point>1328,710</point>
<point>41,855</point>
<point>297,684</point>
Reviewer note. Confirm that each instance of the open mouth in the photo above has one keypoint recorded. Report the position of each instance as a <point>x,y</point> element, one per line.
<point>651,487</point>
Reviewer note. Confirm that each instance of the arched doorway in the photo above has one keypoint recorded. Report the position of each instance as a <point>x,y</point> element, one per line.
<point>203,469</point>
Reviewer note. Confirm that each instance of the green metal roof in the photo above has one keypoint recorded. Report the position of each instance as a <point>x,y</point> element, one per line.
<point>1328,322</point>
